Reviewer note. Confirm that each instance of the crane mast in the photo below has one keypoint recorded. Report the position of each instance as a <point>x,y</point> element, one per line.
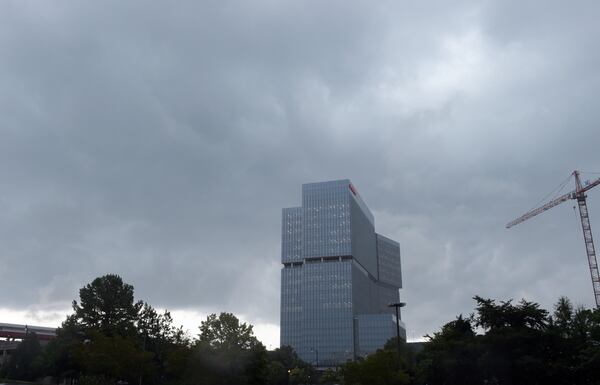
<point>587,237</point>
<point>579,195</point>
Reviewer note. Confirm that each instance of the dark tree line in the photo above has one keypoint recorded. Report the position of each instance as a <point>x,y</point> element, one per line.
<point>506,343</point>
<point>500,343</point>
<point>111,338</point>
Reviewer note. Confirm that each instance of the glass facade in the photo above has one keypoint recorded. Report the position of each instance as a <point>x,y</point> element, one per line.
<point>291,308</point>
<point>326,312</point>
<point>333,302</point>
<point>374,330</point>
<point>326,219</point>
<point>291,235</point>
<point>388,252</point>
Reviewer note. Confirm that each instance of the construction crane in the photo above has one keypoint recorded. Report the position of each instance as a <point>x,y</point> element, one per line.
<point>579,195</point>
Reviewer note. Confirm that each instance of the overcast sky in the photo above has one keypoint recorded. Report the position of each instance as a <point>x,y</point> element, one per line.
<point>160,140</point>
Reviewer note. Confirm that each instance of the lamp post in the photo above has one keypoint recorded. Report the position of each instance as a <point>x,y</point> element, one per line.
<point>397,305</point>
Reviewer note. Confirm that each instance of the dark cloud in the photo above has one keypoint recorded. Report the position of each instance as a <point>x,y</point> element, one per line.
<point>161,141</point>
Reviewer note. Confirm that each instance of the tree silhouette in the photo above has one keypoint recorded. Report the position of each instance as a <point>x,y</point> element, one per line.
<point>226,332</point>
<point>107,305</point>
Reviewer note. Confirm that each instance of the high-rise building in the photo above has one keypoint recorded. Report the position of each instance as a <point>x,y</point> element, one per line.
<point>338,277</point>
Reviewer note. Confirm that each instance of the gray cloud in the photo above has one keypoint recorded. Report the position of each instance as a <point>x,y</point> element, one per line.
<point>160,142</point>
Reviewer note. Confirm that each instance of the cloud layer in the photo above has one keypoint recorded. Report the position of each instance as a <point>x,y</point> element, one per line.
<point>161,141</point>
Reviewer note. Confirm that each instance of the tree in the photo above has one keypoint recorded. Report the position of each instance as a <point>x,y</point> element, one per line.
<point>380,368</point>
<point>282,362</point>
<point>525,315</point>
<point>158,336</point>
<point>450,356</point>
<point>107,305</point>
<point>158,327</point>
<point>113,357</point>
<point>226,332</point>
<point>25,362</point>
<point>586,345</point>
<point>277,374</point>
<point>301,376</point>
<point>517,344</point>
<point>58,359</point>
<point>227,352</point>
<point>287,357</point>
<point>563,316</point>
<point>330,376</point>
<point>110,337</point>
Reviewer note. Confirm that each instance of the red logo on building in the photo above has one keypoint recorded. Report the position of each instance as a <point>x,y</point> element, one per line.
<point>352,189</point>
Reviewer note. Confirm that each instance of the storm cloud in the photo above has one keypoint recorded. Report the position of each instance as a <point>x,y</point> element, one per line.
<point>160,140</point>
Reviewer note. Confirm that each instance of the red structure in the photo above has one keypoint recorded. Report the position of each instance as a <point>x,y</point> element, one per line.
<point>14,331</point>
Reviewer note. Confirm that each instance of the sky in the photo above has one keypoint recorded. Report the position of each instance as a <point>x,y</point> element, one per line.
<point>160,141</point>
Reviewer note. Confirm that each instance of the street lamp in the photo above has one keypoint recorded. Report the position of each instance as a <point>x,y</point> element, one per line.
<point>397,305</point>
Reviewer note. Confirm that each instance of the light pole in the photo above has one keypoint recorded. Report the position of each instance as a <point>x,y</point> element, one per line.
<point>397,305</point>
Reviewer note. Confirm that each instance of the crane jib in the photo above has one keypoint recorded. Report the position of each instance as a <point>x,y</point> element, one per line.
<point>541,209</point>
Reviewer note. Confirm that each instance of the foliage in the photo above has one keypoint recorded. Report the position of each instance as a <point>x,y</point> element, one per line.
<point>58,358</point>
<point>208,365</point>
<point>300,376</point>
<point>494,318</point>
<point>25,363</point>
<point>381,368</point>
<point>287,357</point>
<point>164,343</point>
<point>519,344</point>
<point>113,356</point>
<point>451,355</point>
<point>286,367</point>
<point>107,305</point>
<point>226,332</point>
<point>331,377</point>
<point>394,364</point>
<point>111,337</point>
<point>276,373</point>
<point>227,352</point>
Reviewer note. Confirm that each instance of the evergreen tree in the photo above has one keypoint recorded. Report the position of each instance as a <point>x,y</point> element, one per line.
<point>107,305</point>
<point>227,352</point>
